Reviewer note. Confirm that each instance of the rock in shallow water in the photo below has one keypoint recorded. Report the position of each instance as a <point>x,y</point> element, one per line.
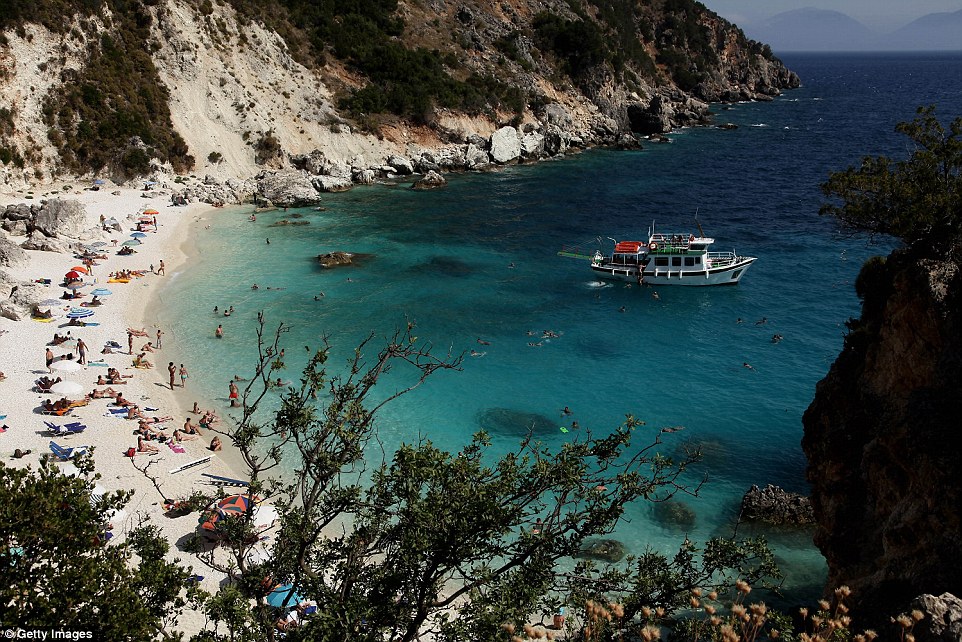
<point>774,505</point>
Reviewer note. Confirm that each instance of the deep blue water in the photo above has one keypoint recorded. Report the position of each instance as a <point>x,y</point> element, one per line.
<point>478,260</point>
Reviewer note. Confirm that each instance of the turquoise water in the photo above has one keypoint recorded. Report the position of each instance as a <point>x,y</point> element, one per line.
<point>478,260</point>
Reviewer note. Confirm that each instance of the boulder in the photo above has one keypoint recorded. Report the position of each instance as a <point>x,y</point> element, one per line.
<point>557,115</point>
<point>22,299</point>
<point>943,618</point>
<point>288,189</point>
<point>674,514</point>
<point>60,218</point>
<point>475,157</point>
<point>654,118</point>
<point>20,212</point>
<point>364,176</point>
<point>452,158</point>
<point>505,145</point>
<point>333,183</point>
<point>532,145</point>
<point>431,180</point>
<point>400,164</point>
<point>774,505</point>
<point>7,284</point>
<point>556,141</point>
<point>318,164</point>
<point>11,255</point>
<point>16,228</point>
<point>37,241</point>
<point>426,163</point>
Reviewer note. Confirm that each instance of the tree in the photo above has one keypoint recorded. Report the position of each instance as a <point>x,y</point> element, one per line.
<point>392,550</point>
<point>918,199</point>
<point>61,573</point>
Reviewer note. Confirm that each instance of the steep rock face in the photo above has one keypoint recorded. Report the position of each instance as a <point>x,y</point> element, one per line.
<point>883,441</point>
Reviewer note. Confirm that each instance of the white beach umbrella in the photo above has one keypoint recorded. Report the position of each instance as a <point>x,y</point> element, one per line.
<point>65,365</point>
<point>66,387</point>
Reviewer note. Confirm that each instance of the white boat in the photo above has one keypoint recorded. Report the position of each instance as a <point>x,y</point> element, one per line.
<point>667,259</point>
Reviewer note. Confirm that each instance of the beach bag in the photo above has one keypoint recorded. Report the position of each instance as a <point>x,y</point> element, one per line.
<point>131,452</point>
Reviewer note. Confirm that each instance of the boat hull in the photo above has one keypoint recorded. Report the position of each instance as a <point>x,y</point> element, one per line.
<point>728,275</point>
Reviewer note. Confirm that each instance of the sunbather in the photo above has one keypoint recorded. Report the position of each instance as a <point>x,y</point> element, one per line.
<point>137,333</point>
<point>143,447</point>
<point>180,436</point>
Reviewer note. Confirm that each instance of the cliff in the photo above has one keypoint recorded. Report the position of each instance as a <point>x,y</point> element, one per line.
<point>227,88</point>
<point>882,436</point>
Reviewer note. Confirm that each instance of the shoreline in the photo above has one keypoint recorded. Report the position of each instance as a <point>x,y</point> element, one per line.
<point>134,305</point>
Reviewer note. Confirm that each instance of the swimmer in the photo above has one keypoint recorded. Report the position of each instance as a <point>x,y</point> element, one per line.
<point>739,320</point>
<point>483,342</point>
<point>749,366</point>
<point>475,353</point>
<point>566,410</point>
<point>219,332</point>
<point>655,295</point>
<point>254,287</point>
<point>622,309</point>
<point>776,338</point>
<point>761,321</point>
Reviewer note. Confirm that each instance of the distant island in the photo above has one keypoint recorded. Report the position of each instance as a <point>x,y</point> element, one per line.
<point>813,29</point>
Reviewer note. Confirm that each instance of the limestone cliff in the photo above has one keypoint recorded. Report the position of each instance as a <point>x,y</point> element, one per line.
<point>883,436</point>
<point>228,88</point>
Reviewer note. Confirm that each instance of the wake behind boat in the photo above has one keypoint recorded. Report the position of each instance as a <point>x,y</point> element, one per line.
<point>666,259</point>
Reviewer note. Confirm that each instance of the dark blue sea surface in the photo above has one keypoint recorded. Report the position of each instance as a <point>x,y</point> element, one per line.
<point>478,260</point>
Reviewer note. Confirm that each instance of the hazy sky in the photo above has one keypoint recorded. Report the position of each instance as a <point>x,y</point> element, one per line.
<point>877,14</point>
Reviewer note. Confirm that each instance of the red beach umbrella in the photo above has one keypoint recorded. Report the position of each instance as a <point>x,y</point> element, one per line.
<point>151,212</point>
<point>70,276</point>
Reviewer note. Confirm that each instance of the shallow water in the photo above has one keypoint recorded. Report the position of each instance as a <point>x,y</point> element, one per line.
<point>478,260</point>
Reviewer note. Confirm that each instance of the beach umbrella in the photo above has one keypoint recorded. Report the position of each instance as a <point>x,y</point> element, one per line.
<point>130,243</point>
<point>80,313</point>
<point>99,181</point>
<point>71,275</point>
<point>151,212</point>
<point>138,235</point>
<point>76,285</point>
<point>284,596</point>
<point>100,292</point>
<point>99,244</point>
<point>65,365</point>
<point>67,388</point>
<point>79,268</point>
<point>50,302</point>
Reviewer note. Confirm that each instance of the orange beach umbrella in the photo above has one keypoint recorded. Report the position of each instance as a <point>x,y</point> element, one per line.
<point>151,212</point>
<point>79,268</point>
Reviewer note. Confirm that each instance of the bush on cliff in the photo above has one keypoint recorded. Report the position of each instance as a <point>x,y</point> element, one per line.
<point>918,199</point>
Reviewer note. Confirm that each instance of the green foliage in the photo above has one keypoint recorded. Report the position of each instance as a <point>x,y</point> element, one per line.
<point>917,200</point>
<point>214,157</point>
<point>427,530</point>
<point>59,572</point>
<point>579,44</point>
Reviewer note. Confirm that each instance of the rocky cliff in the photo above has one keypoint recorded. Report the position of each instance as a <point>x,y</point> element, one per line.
<point>228,88</point>
<point>883,437</point>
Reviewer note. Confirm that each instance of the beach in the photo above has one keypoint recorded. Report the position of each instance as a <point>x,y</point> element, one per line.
<point>22,360</point>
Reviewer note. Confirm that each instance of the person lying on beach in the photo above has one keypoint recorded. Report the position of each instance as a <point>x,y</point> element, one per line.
<point>44,383</point>
<point>120,401</point>
<point>113,381</point>
<point>145,447</point>
<point>137,333</point>
<point>113,373</point>
<point>58,339</point>
<point>180,436</point>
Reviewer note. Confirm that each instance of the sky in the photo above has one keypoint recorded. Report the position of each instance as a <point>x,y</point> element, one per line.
<point>882,15</point>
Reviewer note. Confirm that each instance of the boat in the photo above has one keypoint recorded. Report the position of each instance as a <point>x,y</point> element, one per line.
<point>666,259</point>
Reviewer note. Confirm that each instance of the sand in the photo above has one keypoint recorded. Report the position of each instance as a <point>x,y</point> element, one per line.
<point>22,346</point>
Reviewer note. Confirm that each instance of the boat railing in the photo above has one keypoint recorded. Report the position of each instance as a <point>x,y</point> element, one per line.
<point>719,259</point>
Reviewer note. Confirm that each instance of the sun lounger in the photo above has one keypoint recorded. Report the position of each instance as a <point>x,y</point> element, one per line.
<point>67,431</point>
<point>65,454</point>
<point>57,413</point>
<point>55,428</point>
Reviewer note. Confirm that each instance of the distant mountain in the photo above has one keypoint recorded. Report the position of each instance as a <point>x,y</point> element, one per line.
<point>812,30</point>
<point>934,32</point>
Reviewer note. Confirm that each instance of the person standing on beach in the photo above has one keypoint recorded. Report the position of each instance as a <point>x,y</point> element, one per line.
<point>160,269</point>
<point>158,338</point>
<point>183,376</point>
<point>130,342</point>
<point>82,352</point>
<point>172,370</point>
<point>233,394</point>
<point>49,358</point>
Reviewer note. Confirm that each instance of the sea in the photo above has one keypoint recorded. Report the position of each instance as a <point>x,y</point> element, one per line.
<point>475,266</point>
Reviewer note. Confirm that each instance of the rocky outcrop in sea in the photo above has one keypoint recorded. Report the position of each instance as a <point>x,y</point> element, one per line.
<point>882,436</point>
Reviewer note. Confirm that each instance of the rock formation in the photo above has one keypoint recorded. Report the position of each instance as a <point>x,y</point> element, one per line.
<point>882,436</point>
<point>943,618</point>
<point>774,505</point>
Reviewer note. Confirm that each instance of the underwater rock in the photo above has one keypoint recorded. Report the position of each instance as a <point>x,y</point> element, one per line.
<point>505,421</point>
<point>674,514</point>
<point>606,550</point>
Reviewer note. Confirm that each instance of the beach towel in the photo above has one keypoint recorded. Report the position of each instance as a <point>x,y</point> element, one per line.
<point>118,280</point>
<point>177,448</point>
<point>41,320</point>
